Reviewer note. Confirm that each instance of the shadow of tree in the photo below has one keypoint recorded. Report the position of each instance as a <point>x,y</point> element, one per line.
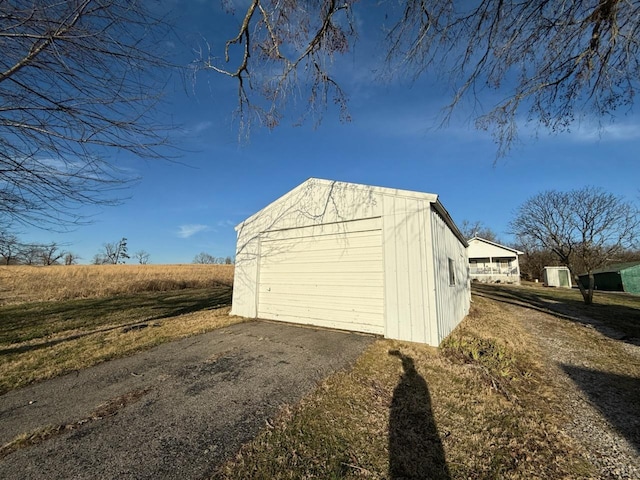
<point>415,448</point>
<point>90,316</point>
<point>615,396</point>
<point>619,322</point>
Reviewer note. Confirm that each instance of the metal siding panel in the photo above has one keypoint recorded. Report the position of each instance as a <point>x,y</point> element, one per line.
<point>402,260</point>
<point>245,280</point>
<point>631,279</point>
<point>452,300</point>
<point>432,301</point>
<point>415,269</point>
<point>389,246</point>
<point>343,290</point>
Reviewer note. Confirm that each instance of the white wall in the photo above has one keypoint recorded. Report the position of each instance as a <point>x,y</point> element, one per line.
<point>406,266</point>
<point>419,304</point>
<point>452,301</point>
<point>480,249</point>
<point>314,202</point>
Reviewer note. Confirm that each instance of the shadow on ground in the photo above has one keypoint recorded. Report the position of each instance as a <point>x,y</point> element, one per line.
<point>415,448</point>
<point>19,323</point>
<point>616,321</point>
<point>615,396</point>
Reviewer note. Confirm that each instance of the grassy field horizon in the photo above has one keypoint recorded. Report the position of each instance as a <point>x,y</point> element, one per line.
<point>22,283</point>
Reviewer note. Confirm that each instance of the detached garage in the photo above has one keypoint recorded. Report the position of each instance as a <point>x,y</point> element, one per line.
<point>354,257</point>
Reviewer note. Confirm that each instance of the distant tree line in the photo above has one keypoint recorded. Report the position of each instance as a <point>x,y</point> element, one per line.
<point>13,251</point>
<point>208,259</point>
<point>534,259</point>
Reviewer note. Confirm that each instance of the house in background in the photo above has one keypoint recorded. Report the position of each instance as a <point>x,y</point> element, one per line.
<point>557,277</point>
<point>354,257</point>
<point>490,262</point>
<point>621,277</point>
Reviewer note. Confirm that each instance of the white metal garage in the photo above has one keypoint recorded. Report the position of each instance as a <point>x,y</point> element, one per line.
<point>354,257</point>
<point>326,275</point>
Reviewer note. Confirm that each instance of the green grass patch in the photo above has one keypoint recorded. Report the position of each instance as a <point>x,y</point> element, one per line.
<point>28,321</point>
<point>620,311</point>
<point>44,339</point>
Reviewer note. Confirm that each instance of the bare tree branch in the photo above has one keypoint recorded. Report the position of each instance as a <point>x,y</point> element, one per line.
<point>286,42</point>
<point>552,61</point>
<point>586,228</point>
<point>79,80</point>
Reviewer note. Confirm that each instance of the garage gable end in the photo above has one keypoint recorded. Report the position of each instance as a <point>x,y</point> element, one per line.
<point>346,256</point>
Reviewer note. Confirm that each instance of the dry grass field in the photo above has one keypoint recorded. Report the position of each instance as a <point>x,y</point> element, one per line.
<point>62,318</point>
<point>19,284</point>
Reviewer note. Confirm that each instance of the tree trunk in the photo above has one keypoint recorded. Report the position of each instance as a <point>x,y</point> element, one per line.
<point>587,293</point>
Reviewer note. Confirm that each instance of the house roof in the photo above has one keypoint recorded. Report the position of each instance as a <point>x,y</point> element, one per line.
<point>430,197</point>
<point>478,239</point>
<point>614,268</point>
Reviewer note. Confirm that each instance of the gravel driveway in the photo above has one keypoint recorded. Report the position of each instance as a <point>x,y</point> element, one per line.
<point>602,406</point>
<point>176,411</point>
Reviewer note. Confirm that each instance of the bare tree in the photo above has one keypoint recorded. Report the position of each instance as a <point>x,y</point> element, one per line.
<point>204,258</point>
<point>31,254</point>
<point>142,257</point>
<point>9,248</point>
<point>477,229</point>
<point>51,253</point>
<point>71,258</point>
<point>584,228</point>
<point>550,61</point>
<point>114,253</point>
<point>77,81</point>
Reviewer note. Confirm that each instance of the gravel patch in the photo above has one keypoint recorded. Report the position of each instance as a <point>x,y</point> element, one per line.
<point>602,406</point>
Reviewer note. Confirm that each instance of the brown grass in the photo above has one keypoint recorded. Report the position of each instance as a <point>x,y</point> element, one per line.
<point>63,355</point>
<point>43,339</point>
<point>491,410</point>
<point>33,284</point>
<point>617,310</point>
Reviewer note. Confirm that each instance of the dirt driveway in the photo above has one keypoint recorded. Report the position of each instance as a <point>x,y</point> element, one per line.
<point>176,411</point>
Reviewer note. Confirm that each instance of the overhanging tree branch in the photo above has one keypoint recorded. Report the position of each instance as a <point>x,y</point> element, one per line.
<point>79,81</point>
<point>550,61</point>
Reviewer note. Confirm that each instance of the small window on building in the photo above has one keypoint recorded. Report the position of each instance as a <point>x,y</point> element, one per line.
<point>452,272</point>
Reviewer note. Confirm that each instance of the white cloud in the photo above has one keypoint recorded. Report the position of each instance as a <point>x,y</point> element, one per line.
<point>201,127</point>
<point>186,231</point>
<point>226,223</point>
<point>612,132</point>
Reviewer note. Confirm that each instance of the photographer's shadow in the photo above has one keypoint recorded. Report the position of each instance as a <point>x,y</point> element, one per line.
<point>415,448</point>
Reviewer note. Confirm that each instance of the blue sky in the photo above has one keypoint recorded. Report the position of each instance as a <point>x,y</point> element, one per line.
<point>180,209</point>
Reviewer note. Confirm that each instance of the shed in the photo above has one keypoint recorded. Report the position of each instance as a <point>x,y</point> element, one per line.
<point>557,277</point>
<point>621,277</point>
<point>354,257</point>
<point>490,262</point>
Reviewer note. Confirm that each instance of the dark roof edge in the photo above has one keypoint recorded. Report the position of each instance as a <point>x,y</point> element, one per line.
<point>449,221</point>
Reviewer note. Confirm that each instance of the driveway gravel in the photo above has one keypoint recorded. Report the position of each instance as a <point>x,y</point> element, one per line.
<point>176,411</point>
<point>602,407</point>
